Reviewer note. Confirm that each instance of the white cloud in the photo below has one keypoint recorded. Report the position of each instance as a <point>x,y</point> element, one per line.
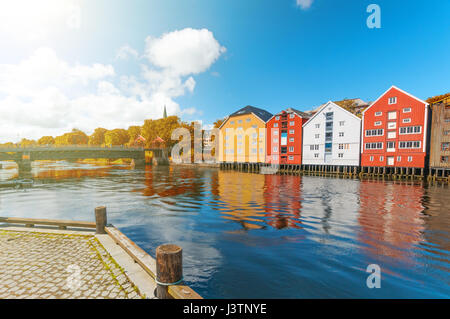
<point>183,52</point>
<point>125,52</point>
<point>304,4</point>
<point>45,95</point>
<point>25,20</point>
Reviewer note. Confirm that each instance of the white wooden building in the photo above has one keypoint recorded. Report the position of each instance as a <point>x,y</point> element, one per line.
<point>332,137</point>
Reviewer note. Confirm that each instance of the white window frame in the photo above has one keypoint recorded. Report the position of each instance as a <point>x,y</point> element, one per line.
<point>377,123</point>
<point>407,120</point>
<point>392,100</point>
<point>379,113</point>
<point>406,110</point>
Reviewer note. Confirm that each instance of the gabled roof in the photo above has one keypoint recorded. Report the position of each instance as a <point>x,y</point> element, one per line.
<point>325,105</point>
<point>292,110</point>
<point>394,87</point>
<point>263,115</point>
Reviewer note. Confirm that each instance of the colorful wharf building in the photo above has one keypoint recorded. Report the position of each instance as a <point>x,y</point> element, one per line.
<point>394,134</point>
<point>284,137</point>
<point>242,137</point>
<point>331,140</point>
<point>440,138</point>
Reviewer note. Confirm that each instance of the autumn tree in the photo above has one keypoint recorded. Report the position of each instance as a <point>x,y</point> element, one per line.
<point>162,128</point>
<point>76,137</point>
<point>26,142</point>
<point>218,123</point>
<point>46,140</point>
<point>98,137</point>
<point>133,132</point>
<point>118,136</point>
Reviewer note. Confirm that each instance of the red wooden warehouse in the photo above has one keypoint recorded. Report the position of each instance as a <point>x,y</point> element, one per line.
<point>284,137</point>
<point>394,132</point>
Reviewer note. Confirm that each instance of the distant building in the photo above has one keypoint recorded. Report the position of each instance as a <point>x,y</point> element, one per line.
<point>440,135</point>
<point>395,131</point>
<point>284,137</point>
<point>243,136</point>
<point>332,137</point>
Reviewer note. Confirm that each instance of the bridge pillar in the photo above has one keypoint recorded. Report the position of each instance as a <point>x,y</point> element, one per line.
<point>160,157</point>
<point>24,163</point>
<point>138,162</point>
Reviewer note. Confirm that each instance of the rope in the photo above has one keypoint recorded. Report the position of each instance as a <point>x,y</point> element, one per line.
<point>169,284</point>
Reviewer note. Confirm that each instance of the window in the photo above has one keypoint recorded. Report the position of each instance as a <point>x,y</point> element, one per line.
<point>392,134</point>
<point>392,125</point>
<point>275,140</point>
<point>341,123</point>
<point>254,142</point>
<point>277,118</point>
<point>311,147</point>
<point>392,100</point>
<point>446,132</point>
<point>408,120</point>
<point>378,113</point>
<point>317,135</point>
<point>374,146</point>
<point>239,121</point>
<point>317,125</point>
<point>232,122</point>
<point>275,157</point>
<point>409,144</point>
<point>444,159</point>
<point>291,116</point>
<point>291,131</point>
<point>254,126</point>
<point>390,145</point>
<point>329,116</point>
<point>291,158</point>
<point>239,137</point>
<point>291,123</point>
<point>341,146</point>
<point>275,124</point>
<point>291,148</point>
<point>371,158</point>
<point>378,132</point>
<point>445,146</point>
<point>314,147</point>
<point>328,147</point>
<point>316,155</point>
<point>341,134</point>
<point>341,155</point>
<point>254,151</point>
<point>275,132</point>
<point>254,135</point>
<point>407,110</point>
<point>399,158</point>
<point>275,149</point>
<point>261,133</point>
<point>409,158</point>
<point>261,150</point>
<point>411,130</point>
<point>378,123</point>
<point>291,139</point>
<point>447,120</point>
<point>392,115</point>
<point>283,150</point>
<point>381,158</point>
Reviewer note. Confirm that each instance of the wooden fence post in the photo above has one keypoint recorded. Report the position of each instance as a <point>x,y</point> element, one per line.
<point>100,219</point>
<point>169,268</point>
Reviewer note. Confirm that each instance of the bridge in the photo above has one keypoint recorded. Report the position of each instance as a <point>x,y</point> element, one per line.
<point>23,156</point>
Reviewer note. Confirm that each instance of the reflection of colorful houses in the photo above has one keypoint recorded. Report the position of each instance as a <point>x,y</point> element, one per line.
<point>390,218</point>
<point>243,136</point>
<point>284,137</point>
<point>240,195</point>
<point>282,201</point>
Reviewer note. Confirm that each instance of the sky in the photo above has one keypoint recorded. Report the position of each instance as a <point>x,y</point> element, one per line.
<point>98,63</point>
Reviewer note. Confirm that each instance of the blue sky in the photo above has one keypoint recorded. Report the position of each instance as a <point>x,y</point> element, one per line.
<point>270,54</point>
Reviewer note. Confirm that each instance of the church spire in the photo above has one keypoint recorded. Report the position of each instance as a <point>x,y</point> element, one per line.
<point>165,112</point>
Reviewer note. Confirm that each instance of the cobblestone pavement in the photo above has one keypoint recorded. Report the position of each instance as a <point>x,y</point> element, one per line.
<point>49,265</point>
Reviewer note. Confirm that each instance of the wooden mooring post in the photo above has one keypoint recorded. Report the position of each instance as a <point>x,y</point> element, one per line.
<point>169,268</point>
<point>100,220</point>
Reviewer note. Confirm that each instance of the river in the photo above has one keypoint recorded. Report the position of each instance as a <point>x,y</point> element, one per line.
<point>258,236</point>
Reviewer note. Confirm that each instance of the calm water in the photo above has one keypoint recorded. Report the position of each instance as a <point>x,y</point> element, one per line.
<point>259,236</point>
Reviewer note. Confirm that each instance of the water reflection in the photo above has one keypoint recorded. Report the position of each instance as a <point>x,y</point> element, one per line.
<point>391,218</point>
